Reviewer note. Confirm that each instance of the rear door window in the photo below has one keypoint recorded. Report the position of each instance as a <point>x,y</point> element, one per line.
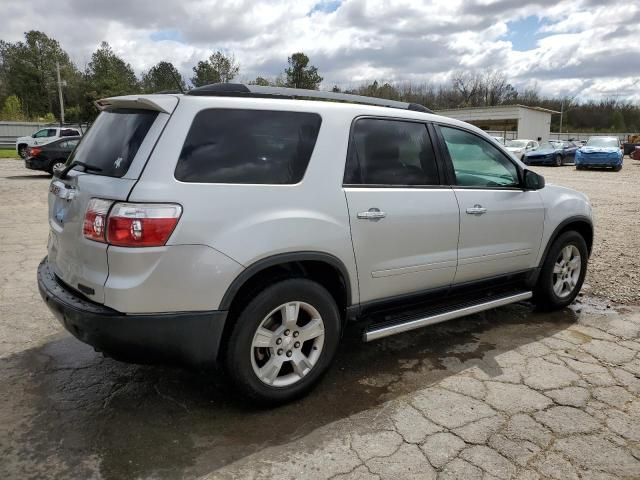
<point>390,153</point>
<point>113,140</point>
<point>248,146</point>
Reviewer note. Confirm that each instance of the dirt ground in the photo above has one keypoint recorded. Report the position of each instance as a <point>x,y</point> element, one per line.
<point>509,393</point>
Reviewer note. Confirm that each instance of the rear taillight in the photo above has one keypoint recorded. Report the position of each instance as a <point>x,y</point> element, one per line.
<point>33,151</point>
<point>95,219</point>
<point>142,224</point>
<point>130,224</point>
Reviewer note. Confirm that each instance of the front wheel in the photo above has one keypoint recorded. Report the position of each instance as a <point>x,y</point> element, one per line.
<point>617,168</point>
<point>22,151</point>
<point>563,272</point>
<point>283,341</point>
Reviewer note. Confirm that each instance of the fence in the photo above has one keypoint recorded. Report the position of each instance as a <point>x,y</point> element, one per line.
<point>10,131</point>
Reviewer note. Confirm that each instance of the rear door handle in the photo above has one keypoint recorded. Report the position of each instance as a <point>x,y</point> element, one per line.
<point>476,210</point>
<point>371,214</point>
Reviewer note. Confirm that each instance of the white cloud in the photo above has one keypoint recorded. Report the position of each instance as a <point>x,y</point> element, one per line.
<point>584,47</point>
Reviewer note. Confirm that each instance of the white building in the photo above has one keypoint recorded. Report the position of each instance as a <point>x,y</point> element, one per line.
<point>508,121</point>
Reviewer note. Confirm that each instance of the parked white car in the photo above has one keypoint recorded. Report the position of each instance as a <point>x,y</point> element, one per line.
<point>246,225</point>
<point>44,136</point>
<point>519,147</point>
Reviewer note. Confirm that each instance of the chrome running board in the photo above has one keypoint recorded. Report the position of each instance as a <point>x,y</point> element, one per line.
<point>404,325</point>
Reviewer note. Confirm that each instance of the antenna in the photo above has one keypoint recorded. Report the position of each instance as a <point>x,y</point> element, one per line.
<point>175,79</point>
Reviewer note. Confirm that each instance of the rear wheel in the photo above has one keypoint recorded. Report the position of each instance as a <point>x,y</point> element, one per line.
<point>617,168</point>
<point>56,166</point>
<point>283,341</point>
<point>563,272</point>
<point>558,160</point>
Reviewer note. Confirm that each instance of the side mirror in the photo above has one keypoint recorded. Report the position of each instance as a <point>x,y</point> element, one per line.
<point>532,181</point>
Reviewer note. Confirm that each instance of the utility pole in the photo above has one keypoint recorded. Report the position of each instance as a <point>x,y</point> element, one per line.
<point>60,93</point>
<point>561,112</point>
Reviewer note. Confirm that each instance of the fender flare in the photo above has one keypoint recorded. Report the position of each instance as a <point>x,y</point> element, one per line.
<point>279,259</point>
<point>559,228</point>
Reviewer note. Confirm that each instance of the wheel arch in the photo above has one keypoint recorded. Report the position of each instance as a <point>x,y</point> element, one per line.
<point>579,223</point>
<point>324,268</point>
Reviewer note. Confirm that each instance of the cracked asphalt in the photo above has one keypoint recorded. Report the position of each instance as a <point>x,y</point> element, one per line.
<point>510,393</point>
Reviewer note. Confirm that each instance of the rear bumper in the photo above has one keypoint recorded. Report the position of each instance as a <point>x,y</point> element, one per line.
<point>36,163</point>
<point>190,338</point>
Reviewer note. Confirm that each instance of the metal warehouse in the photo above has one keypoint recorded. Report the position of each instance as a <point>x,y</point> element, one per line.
<point>512,121</point>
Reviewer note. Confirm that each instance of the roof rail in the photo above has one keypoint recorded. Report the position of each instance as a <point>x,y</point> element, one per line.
<point>258,91</point>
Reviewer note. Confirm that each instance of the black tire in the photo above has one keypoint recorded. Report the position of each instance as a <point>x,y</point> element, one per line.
<point>238,354</point>
<point>558,161</point>
<point>544,295</point>
<point>617,168</point>
<point>52,167</point>
<point>579,167</point>
<point>22,151</point>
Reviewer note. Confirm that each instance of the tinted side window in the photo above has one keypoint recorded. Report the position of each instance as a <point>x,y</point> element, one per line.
<point>51,132</point>
<point>248,146</point>
<point>390,152</point>
<point>476,162</point>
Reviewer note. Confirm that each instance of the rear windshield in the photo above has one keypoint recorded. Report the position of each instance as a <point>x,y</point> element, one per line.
<point>248,146</point>
<point>113,140</point>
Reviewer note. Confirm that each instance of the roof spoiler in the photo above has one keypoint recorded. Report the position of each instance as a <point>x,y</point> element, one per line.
<point>159,103</point>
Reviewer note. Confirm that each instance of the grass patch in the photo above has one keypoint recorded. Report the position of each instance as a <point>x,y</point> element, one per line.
<point>8,153</point>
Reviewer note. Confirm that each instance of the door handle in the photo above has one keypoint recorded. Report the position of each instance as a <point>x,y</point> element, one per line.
<point>371,214</point>
<point>476,210</point>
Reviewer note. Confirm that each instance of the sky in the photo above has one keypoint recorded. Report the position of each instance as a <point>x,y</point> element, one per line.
<point>584,48</point>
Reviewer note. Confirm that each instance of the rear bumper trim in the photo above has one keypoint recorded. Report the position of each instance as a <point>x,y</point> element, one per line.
<point>191,338</point>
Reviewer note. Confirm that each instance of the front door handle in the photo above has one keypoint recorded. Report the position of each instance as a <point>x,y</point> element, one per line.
<point>476,210</point>
<point>371,214</point>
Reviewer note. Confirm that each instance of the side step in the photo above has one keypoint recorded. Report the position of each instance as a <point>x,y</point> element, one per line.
<point>404,324</point>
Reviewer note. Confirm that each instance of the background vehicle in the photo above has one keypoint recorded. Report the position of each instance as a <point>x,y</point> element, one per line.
<point>519,147</point>
<point>244,225</point>
<point>551,153</point>
<point>499,140</point>
<point>635,154</point>
<point>600,152</point>
<point>44,136</point>
<point>52,156</point>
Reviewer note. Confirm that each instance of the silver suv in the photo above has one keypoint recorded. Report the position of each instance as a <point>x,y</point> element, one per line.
<point>245,226</point>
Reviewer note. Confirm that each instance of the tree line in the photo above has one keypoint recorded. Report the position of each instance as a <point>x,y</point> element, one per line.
<point>28,86</point>
<point>29,89</point>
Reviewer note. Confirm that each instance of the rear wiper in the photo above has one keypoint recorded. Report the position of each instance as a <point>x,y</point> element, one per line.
<point>63,174</point>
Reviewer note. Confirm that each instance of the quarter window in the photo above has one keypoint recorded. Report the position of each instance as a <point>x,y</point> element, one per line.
<point>248,146</point>
<point>476,162</point>
<point>390,152</point>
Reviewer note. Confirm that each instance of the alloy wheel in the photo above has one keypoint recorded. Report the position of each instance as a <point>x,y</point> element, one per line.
<point>566,271</point>
<point>287,344</point>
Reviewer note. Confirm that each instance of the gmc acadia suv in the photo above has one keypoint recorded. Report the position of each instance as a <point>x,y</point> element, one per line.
<point>245,226</point>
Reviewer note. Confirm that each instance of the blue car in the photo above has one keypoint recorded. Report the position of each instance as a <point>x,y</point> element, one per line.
<point>600,152</point>
<point>551,153</point>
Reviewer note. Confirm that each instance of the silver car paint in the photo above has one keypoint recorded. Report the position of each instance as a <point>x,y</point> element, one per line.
<point>225,228</point>
<point>414,247</point>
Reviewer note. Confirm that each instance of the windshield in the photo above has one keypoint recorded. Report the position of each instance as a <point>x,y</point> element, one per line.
<point>516,143</point>
<point>113,140</point>
<point>549,146</point>
<point>603,142</point>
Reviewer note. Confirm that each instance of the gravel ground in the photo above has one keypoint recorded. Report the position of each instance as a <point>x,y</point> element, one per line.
<point>614,268</point>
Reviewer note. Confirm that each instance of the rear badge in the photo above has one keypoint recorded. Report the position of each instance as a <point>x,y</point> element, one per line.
<point>60,214</point>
